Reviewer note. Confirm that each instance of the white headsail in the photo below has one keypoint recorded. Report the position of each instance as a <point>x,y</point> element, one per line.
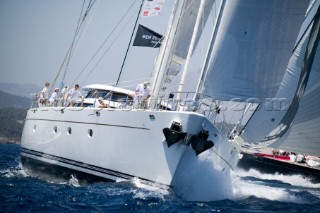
<point>298,130</point>
<point>251,50</point>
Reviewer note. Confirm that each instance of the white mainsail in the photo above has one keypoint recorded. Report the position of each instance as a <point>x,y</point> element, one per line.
<point>284,85</point>
<point>250,52</point>
<point>298,131</point>
<point>252,47</point>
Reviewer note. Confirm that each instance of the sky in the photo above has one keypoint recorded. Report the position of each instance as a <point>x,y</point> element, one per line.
<point>36,34</point>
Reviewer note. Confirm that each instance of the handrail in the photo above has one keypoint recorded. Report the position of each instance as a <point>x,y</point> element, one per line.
<point>185,103</point>
<point>205,105</point>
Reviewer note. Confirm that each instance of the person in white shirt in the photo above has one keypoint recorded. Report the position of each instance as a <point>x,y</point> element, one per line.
<point>100,104</point>
<point>142,94</point>
<point>74,95</point>
<point>43,95</point>
<point>63,96</point>
<point>53,101</point>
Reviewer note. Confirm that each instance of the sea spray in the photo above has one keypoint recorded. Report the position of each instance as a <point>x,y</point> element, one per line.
<point>15,171</point>
<point>293,180</point>
<point>198,179</point>
<point>149,190</point>
<point>73,181</point>
<point>249,183</point>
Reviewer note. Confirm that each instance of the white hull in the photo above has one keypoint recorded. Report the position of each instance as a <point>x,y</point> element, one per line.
<point>116,144</point>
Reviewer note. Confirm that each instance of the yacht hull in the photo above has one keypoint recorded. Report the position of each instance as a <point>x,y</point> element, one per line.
<point>272,166</point>
<point>112,144</point>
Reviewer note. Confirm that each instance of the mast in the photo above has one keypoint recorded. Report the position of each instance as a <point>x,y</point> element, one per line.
<point>191,48</point>
<point>161,64</point>
<point>210,49</point>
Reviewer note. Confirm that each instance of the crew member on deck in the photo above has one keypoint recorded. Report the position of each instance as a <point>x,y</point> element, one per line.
<point>74,95</point>
<point>43,95</point>
<point>53,101</point>
<point>142,94</point>
<point>63,96</point>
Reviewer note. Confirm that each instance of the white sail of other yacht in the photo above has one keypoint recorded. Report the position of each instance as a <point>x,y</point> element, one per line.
<point>298,130</point>
<point>249,58</point>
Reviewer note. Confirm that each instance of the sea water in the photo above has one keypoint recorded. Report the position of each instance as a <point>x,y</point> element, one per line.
<point>199,189</point>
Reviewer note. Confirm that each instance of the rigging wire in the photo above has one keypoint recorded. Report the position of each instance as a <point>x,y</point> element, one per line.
<point>134,29</point>
<point>105,52</point>
<point>69,50</point>
<point>80,28</point>
<point>104,42</point>
<point>242,117</point>
<point>83,30</point>
<point>75,41</point>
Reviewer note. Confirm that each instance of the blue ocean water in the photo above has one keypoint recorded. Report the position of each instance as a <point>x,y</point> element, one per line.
<point>250,192</point>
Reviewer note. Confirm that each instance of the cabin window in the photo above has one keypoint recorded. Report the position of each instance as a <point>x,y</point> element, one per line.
<point>69,131</point>
<point>55,129</point>
<point>90,133</point>
<point>97,93</point>
<point>34,128</point>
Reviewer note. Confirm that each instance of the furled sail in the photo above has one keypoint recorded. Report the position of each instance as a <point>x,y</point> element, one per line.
<point>179,38</point>
<point>184,33</point>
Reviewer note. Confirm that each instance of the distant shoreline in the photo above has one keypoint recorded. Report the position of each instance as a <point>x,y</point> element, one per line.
<point>4,140</point>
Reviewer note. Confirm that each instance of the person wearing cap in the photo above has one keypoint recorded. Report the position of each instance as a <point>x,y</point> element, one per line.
<point>53,101</point>
<point>100,104</point>
<point>74,95</point>
<point>43,95</point>
<point>142,94</point>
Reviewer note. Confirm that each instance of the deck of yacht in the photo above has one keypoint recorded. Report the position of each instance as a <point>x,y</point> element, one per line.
<point>265,161</point>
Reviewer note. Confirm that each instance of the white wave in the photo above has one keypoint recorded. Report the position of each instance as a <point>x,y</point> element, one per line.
<point>73,181</point>
<point>149,190</point>
<point>16,171</point>
<point>243,188</point>
<point>294,180</point>
<point>197,179</point>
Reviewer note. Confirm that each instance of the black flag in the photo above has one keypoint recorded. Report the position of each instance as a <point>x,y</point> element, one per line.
<point>147,38</point>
